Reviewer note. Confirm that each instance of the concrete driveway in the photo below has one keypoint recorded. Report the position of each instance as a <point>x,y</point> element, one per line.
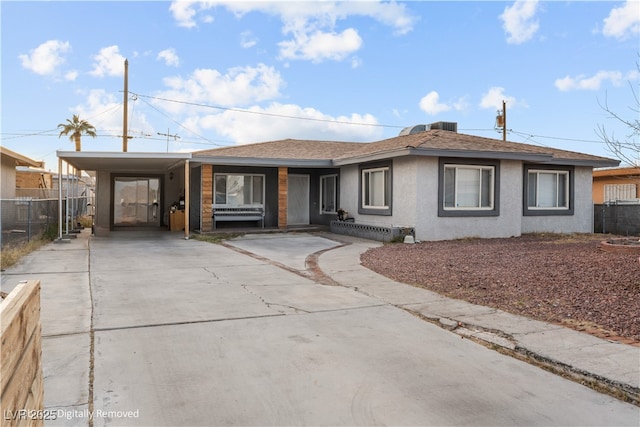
<point>193,333</point>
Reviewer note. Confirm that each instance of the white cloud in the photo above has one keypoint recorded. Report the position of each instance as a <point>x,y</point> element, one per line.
<point>494,97</point>
<point>247,39</point>
<point>594,82</point>
<point>46,58</point>
<point>239,86</point>
<point>108,62</point>
<point>311,25</point>
<point>184,13</point>
<point>71,75</point>
<point>319,46</point>
<point>519,21</point>
<point>170,57</point>
<point>624,21</point>
<point>267,124</point>
<point>430,104</point>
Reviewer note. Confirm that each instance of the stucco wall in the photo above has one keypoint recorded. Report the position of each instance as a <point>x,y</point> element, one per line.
<point>415,202</point>
<point>405,183</point>
<point>7,178</point>
<point>600,182</point>
<point>582,219</point>
<point>102,213</point>
<point>507,224</point>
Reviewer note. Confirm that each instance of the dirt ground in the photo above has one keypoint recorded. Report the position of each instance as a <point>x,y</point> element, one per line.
<point>564,279</point>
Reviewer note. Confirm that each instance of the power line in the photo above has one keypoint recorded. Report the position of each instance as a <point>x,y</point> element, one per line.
<point>262,113</point>
<point>182,126</point>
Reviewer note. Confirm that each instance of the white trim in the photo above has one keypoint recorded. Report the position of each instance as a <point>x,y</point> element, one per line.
<point>384,189</point>
<point>480,168</point>
<point>557,206</point>
<point>335,194</point>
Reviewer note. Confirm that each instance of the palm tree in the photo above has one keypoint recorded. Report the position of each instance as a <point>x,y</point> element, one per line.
<point>75,128</point>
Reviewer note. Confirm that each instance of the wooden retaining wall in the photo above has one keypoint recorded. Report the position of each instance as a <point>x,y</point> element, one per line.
<point>22,396</point>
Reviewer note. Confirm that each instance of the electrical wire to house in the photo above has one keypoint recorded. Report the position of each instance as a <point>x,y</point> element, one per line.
<point>202,140</point>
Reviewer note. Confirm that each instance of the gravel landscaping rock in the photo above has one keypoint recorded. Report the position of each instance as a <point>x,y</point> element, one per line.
<point>564,279</point>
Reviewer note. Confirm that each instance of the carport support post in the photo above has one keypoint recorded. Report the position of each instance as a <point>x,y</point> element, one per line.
<point>59,198</point>
<point>206,187</point>
<point>283,191</point>
<point>186,199</point>
<point>60,239</point>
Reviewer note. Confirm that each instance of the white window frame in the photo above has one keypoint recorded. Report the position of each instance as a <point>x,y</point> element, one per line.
<point>386,170</point>
<point>479,206</point>
<point>323,185</point>
<point>557,207</point>
<point>226,204</point>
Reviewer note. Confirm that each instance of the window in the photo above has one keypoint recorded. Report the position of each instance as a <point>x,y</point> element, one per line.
<point>328,194</point>
<point>548,189</point>
<point>468,187</point>
<point>375,189</point>
<point>238,190</point>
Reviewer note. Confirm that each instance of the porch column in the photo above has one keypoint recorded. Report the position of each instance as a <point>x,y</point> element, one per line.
<point>283,191</point>
<point>206,187</point>
<point>187,198</point>
<point>60,198</point>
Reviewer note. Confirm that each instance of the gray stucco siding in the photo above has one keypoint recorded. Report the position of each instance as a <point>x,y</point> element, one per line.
<point>582,219</point>
<point>430,226</point>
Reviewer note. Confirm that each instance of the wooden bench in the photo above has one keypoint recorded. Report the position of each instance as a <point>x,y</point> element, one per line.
<point>248,213</point>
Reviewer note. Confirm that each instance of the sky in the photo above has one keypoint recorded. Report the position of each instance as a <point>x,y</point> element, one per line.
<point>205,74</point>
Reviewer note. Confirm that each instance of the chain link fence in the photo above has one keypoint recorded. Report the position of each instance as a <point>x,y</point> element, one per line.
<point>24,218</point>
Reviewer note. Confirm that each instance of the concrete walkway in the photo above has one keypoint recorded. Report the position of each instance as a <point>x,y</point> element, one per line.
<point>150,329</point>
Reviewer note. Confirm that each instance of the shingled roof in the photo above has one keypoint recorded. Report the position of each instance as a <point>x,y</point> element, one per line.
<point>433,143</point>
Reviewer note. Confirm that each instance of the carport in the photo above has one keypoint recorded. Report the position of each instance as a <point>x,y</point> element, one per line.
<point>133,190</point>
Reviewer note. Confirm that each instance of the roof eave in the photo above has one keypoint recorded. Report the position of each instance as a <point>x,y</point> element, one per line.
<point>410,151</point>
<point>263,162</point>
<point>595,163</point>
<point>21,159</point>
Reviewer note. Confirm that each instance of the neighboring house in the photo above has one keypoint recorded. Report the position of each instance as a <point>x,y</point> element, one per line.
<point>10,160</point>
<point>30,178</point>
<point>443,184</point>
<point>617,184</point>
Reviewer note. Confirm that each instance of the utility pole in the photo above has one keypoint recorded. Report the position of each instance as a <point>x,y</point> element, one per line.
<point>125,138</point>
<point>504,119</point>
<point>175,137</point>
<point>501,120</point>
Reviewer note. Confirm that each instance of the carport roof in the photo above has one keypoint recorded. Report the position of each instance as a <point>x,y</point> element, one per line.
<point>123,162</point>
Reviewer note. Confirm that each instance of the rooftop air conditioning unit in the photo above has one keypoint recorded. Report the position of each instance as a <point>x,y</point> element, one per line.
<point>449,126</point>
<point>410,130</point>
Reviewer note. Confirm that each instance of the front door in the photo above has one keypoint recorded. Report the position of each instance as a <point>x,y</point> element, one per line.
<point>136,201</point>
<point>298,200</point>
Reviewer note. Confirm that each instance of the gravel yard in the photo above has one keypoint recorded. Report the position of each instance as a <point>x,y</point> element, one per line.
<point>561,279</point>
